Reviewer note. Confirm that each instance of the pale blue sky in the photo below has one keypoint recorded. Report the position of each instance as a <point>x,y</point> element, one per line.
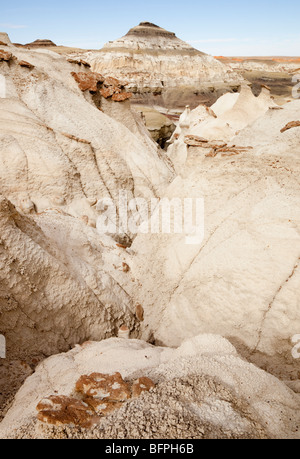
<point>266,27</point>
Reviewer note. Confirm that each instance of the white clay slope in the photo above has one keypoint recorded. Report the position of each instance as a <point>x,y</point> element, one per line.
<point>242,281</point>
<point>59,154</point>
<point>202,387</point>
<point>43,108</point>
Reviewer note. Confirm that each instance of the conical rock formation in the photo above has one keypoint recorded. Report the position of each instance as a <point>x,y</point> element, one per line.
<point>154,61</point>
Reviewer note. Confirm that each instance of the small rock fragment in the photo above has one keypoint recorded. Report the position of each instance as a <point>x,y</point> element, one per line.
<point>126,268</point>
<point>290,125</point>
<point>26,64</point>
<point>139,312</point>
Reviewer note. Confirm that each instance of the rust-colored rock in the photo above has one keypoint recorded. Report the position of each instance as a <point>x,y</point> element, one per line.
<point>142,385</point>
<point>194,141</point>
<point>26,64</point>
<point>103,387</point>
<point>110,81</point>
<point>79,62</point>
<point>121,97</point>
<point>97,395</point>
<point>2,43</point>
<point>139,312</point>
<point>121,246</point>
<point>85,64</point>
<point>108,92</point>
<point>5,56</point>
<point>125,267</point>
<point>196,138</point>
<point>211,112</point>
<point>290,125</point>
<point>212,154</point>
<point>88,81</point>
<point>227,151</point>
<point>114,89</point>
<point>61,410</point>
<point>233,150</point>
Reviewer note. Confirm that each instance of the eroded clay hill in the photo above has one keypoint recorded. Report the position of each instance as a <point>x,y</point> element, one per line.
<point>162,69</point>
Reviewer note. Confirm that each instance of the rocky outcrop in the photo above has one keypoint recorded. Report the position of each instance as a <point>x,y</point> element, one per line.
<point>160,68</point>
<point>88,81</point>
<point>79,62</point>
<point>4,38</point>
<point>5,56</point>
<point>40,44</point>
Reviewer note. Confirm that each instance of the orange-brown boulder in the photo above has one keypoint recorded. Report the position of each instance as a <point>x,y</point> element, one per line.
<point>120,97</point>
<point>88,81</point>
<point>62,410</point>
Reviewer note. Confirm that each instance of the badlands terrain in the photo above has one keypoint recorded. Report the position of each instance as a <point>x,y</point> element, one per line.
<point>132,334</point>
